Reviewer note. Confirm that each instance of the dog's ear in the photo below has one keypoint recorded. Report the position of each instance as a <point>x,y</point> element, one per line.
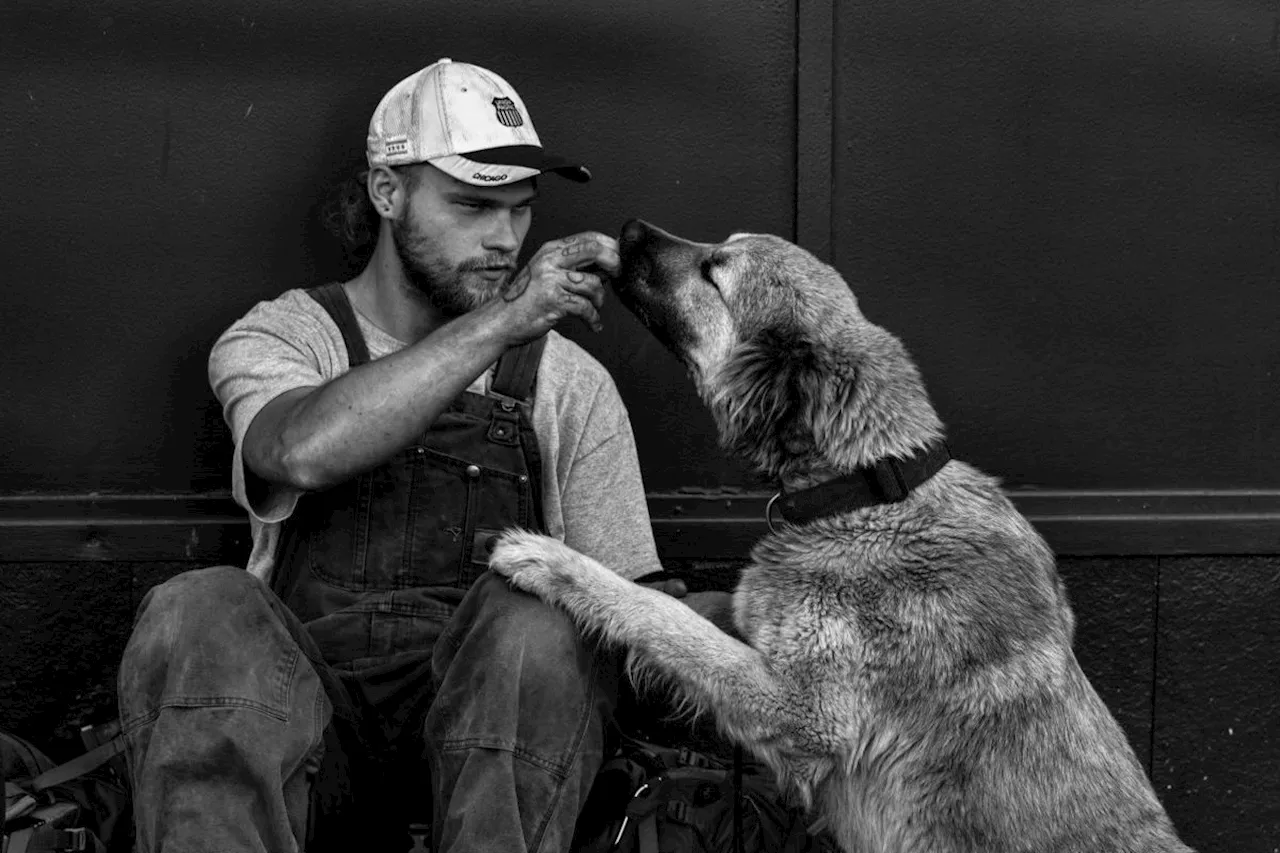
<point>789,404</point>
<point>765,399</point>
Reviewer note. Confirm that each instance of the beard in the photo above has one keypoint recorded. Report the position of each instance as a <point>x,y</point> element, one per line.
<point>449,288</point>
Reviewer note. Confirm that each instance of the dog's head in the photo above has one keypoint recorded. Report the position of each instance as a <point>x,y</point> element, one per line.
<point>798,381</point>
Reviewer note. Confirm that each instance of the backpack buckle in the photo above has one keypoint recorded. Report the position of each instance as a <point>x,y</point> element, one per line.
<point>75,839</point>
<point>689,758</point>
<point>419,832</point>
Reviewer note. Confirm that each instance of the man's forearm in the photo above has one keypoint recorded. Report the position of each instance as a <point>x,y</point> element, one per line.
<point>313,438</point>
<point>360,419</point>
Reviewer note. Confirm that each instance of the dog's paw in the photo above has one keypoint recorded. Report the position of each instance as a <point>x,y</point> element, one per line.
<point>533,562</point>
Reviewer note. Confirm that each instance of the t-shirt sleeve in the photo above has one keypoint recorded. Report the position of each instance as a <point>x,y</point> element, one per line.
<point>606,514</point>
<point>269,351</point>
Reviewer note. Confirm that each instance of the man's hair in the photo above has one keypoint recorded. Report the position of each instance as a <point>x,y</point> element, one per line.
<point>349,214</point>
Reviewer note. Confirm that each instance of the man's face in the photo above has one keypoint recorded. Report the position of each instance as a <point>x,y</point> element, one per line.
<point>458,243</point>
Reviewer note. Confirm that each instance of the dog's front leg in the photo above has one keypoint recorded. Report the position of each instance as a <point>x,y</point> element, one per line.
<point>712,670</point>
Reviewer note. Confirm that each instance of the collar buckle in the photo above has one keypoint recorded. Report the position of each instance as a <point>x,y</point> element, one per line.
<point>768,511</point>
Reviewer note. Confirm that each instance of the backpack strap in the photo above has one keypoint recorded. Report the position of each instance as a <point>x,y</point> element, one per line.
<point>43,839</point>
<point>77,767</point>
<point>22,791</point>
<point>517,369</point>
<point>333,299</point>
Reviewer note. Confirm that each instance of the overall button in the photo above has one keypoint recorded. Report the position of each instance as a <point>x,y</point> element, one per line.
<point>473,471</point>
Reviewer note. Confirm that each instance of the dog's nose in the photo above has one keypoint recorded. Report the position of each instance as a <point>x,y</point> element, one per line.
<point>634,233</point>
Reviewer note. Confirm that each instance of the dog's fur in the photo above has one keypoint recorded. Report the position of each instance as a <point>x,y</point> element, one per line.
<point>908,667</point>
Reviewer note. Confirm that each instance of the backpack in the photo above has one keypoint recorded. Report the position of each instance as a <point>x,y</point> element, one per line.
<point>80,805</point>
<point>650,798</point>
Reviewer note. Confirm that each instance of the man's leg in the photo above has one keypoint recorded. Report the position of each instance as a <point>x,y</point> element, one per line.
<point>224,714</point>
<point>516,733</point>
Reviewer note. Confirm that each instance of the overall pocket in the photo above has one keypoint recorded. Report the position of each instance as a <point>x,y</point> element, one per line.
<point>448,544</point>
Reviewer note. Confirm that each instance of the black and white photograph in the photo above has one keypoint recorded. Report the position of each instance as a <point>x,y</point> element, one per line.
<point>683,426</point>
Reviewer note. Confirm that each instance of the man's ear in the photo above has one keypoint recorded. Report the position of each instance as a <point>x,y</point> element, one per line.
<point>387,191</point>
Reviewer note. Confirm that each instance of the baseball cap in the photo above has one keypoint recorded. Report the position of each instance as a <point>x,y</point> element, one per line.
<point>464,120</point>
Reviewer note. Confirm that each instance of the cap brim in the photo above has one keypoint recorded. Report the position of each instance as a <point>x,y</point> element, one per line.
<point>530,157</point>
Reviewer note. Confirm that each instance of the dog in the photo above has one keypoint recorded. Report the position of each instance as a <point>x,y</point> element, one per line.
<point>905,663</point>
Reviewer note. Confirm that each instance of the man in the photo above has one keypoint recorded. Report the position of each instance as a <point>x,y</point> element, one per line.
<point>378,450</point>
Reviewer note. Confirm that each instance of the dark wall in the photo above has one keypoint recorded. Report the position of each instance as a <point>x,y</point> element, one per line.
<point>163,163</point>
<point>1067,211</point>
<point>1070,212</point>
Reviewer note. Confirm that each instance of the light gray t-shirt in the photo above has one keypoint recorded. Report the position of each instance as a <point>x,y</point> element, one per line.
<point>593,495</point>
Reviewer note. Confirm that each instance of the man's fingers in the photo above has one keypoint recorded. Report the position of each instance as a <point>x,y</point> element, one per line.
<point>555,248</point>
<point>585,237</point>
<point>589,249</point>
<point>673,587</point>
<point>586,284</point>
<point>580,306</point>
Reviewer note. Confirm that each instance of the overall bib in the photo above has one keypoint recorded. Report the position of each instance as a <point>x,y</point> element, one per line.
<point>362,562</point>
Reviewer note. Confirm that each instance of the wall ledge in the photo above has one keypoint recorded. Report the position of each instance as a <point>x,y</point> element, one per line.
<point>696,525</point>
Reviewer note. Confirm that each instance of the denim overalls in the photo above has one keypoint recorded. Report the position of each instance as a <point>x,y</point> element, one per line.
<point>375,567</point>
<point>360,561</point>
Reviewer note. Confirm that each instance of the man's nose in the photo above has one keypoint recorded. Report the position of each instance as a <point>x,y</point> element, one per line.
<point>502,235</point>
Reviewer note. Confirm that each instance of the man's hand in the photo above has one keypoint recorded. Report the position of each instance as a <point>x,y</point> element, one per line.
<point>663,582</point>
<point>562,279</point>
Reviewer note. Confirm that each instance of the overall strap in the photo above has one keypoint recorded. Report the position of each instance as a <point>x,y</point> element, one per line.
<point>333,299</point>
<point>517,369</point>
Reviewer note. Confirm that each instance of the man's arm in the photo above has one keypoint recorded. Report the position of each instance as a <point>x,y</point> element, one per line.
<point>311,438</point>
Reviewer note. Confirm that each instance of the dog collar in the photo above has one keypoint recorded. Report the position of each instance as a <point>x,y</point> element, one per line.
<point>885,481</point>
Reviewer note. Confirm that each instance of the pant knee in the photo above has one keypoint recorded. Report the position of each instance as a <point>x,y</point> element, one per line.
<point>198,587</point>
<point>508,624</point>
<point>507,648</point>
<point>206,634</point>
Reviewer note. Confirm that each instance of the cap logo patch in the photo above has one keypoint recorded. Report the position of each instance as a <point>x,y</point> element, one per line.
<point>507,112</point>
<point>398,146</point>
